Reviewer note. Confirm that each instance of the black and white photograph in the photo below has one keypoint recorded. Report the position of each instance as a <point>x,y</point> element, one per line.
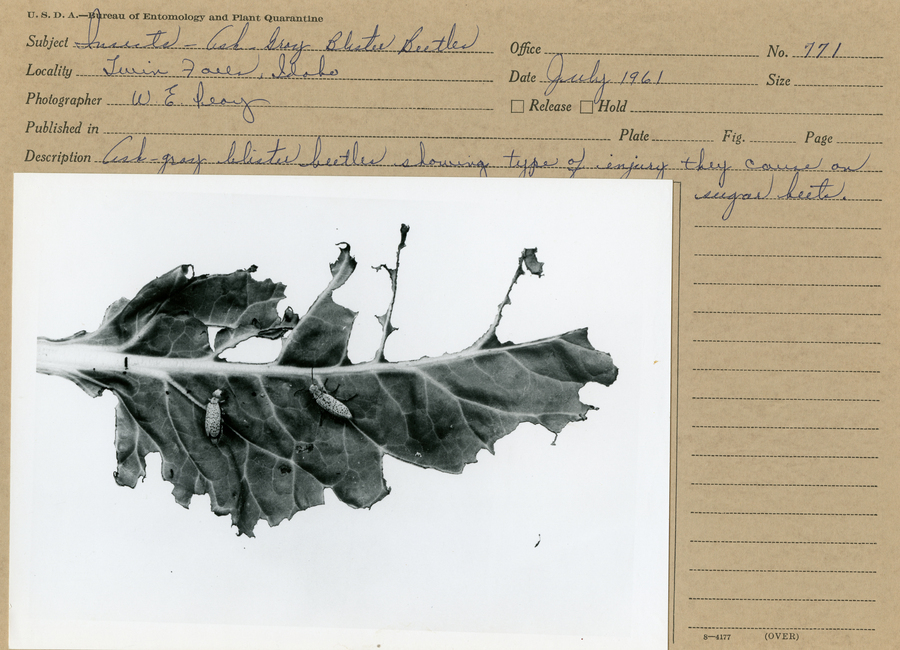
<point>328,412</point>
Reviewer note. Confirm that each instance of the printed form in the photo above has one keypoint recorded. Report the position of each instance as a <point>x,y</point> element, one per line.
<point>777,123</point>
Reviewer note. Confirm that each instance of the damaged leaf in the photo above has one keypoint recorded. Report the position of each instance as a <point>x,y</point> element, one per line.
<point>311,419</point>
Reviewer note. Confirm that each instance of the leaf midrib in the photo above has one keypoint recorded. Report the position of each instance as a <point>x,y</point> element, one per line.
<point>70,356</point>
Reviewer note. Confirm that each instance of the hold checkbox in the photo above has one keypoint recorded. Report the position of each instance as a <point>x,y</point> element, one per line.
<point>587,107</point>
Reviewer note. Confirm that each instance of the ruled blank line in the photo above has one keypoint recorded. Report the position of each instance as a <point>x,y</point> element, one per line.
<point>791,198</point>
<point>789,514</point>
<point>784,485</point>
<point>734,426</point>
<point>781,571</point>
<point>824,629</point>
<point>836,86</point>
<point>739,56</point>
<point>796,342</point>
<point>229,163</point>
<point>795,600</point>
<point>791,399</point>
<point>340,135</point>
<point>783,284</point>
<point>805,171</point>
<point>794,227</point>
<point>201,77</point>
<point>338,50</point>
<point>696,83</point>
<point>757,113</point>
<point>305,49</point>
<point>789,313</point>
<point>782,456</point>
<point>860,372</point>
<point>828,58</point>
<point>651,83</point>
<point>356,108</point>
<point>841,257</point>
<point>737,541</point>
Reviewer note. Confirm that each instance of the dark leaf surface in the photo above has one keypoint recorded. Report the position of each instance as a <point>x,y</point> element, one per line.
<point>279,449</point>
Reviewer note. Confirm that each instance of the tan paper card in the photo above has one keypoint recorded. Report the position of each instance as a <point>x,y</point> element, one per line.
<point>768,127</point>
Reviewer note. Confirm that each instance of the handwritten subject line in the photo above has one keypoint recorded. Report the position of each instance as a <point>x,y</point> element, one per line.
<point>231,36</point>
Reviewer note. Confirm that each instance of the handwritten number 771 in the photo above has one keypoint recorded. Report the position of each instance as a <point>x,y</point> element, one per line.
<point>822,47</point>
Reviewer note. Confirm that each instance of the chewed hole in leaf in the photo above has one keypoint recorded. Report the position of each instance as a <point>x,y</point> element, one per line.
<point>212,331</point>
<point>255,350</point>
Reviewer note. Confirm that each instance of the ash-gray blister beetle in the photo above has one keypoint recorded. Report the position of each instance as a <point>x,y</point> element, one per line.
<point>213,421</point>
<point>328,402</point>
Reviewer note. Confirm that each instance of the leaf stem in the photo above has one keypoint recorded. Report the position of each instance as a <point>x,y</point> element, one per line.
<point>386,326</point>
<point>526,260</point>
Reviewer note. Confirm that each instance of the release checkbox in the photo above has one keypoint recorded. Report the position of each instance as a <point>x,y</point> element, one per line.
<point>517,106</point>
<point>587,106</point>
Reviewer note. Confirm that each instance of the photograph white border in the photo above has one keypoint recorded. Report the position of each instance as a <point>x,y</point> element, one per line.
<point>538,546</point>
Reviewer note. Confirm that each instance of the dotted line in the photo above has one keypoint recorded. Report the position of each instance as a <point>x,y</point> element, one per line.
<point>785,485</point>
<point>303,165</point>
<point>772,141</point>
<point>471,164</point>
<point>403,52</point>
<point>773,456</point>
<point>371,137</point>
<point>789,514</point>
<point>189,49</point>
<point>662,140</point>
<point>859,143</point>
<point>836,86</point>
<point>788,313</point>
<point>861,372</point>
<point>779,571</point>
<point>798,342</point>
<point>337,51</point>
<point>788,198</point>
<point>795,227</point>
<point>756,113</point>
<point>236,164</point>
<point>620,83</point>
<point>837,257</point>
<point>783,284</point>
<point>251,78</point>
<point>305,49</point>
<point>796,600</point>
<point>826,629</point>
<point>361,108</point>
<point>726,426</point>
<point>643,84</point>
<point>826,58</point>
<point>739,56</point>
<point>736,541</point>
<point>696,83</point>
<point>464,165</point>
<point>792,399</point>
<point>805,171</point>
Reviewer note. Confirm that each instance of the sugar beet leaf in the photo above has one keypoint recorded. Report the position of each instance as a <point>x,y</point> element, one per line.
<point>278,445</point>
